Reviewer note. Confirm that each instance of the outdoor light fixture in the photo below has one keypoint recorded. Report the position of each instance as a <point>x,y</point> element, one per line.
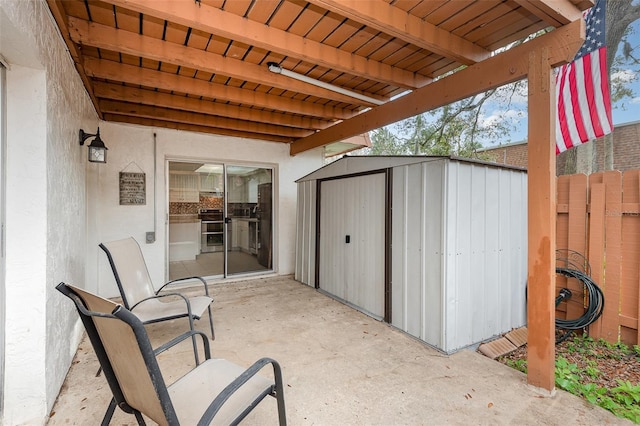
<point>97,150</point>
<point>277,69</point>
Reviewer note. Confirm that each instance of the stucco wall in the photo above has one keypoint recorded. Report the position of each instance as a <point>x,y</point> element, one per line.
<point>59,206</point>
<point>45,204</point>
<point>131,148</point>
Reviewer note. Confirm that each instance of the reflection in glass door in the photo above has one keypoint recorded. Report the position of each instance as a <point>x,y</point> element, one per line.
<point>220,219</point>
<point>196,219</point>
<point>249,209</point>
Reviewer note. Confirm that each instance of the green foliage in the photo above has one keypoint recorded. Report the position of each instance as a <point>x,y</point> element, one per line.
<point>517,364</point>
<point>586,380</point>
<point>384,142</point>
<point>592,370</point>
<point>627,400</point>
<point>581,344</point>
<point>454,129</point>
<point>567,377</point>
<point>623,400</point>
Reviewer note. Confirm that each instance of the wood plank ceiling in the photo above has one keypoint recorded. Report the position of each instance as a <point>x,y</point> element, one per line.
<point>203,65</point>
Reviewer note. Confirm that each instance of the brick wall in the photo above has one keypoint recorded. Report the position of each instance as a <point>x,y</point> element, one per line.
<point>626,148</point>
<point>626,151</point>
<point>513,154</point>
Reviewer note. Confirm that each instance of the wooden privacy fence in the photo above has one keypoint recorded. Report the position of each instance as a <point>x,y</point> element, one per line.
<point>599,216</point>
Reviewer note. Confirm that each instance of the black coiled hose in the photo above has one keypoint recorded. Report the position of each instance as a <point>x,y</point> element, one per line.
<point>595,302</point>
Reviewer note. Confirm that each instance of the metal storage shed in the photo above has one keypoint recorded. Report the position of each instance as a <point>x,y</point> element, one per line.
<point>435,246</point>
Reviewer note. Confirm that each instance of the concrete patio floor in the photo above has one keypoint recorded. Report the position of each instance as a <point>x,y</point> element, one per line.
<point>340,367</point>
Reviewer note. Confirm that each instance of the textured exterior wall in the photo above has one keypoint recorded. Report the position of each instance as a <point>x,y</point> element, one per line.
<point>25,338</point>
<point>59,206</point>
<point>46,105</point>
<point>132,148</point>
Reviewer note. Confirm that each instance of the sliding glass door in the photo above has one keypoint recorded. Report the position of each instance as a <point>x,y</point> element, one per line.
<point>220,219</point>
<point>249,211</point>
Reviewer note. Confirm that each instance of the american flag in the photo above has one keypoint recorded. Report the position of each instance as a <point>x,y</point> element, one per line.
<point>582,88</point>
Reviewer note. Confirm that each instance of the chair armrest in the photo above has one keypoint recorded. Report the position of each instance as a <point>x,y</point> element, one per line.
<point>232,387</point>
<point>158,296</point>
<point>206,290</point>
<point>189,334</point>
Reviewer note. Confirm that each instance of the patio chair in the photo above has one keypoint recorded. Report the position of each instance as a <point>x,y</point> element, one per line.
<point>137,291</point>
<point>216,391</point>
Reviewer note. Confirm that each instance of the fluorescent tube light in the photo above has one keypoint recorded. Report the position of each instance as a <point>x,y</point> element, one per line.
<point>277,69</point>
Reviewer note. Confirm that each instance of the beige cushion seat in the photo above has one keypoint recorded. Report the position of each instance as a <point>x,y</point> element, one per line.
<point>139,295</point>
<point>190,404</point>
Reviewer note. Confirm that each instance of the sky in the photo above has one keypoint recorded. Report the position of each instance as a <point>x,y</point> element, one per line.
<point>631,112</point>
<point>625,111</point>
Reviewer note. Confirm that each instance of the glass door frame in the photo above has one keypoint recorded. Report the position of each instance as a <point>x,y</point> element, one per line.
<point>254,174</point>
<point>229,215</point>
<point>3,150</point>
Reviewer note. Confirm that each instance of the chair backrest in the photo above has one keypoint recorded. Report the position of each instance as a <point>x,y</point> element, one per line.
<point>98,348</point>
<point>129,270</point>
<point>130,356</point>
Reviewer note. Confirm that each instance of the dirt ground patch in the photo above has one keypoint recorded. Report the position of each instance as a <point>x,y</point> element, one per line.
<point>613,362</point>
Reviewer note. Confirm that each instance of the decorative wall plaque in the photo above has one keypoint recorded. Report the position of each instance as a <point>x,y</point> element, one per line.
<point>132,189</point>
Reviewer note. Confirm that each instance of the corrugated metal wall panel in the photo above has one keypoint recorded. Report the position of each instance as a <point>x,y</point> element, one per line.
<point>515,238</point>
<point>399,231</point>
<point>417,255</point>
<point>486,232</point>
<point>354,271</point>
<point>333,268</point>
<point>414,286</point>
<point>306,233</point>
<point>456,302</point>
<point>493,252</point>
<point>433,250</point>
<point>458,250</point>
<point>367,257</point>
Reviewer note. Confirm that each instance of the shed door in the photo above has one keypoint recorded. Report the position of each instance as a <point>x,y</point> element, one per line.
<point>352,241</point>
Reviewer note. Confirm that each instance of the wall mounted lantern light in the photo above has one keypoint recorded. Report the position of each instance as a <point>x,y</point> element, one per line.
<point>97,150</point>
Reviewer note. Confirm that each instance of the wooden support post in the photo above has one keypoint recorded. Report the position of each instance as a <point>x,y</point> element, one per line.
<point>542,223</point>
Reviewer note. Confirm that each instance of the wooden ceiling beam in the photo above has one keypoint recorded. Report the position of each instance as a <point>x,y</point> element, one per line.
<point>105,37</point>
<point>192,128</point>
<point>394,21</point>
<point>556,13</point>
<point>165,114</point>
<point>110,70</point>
<point>167,100</point>
<point>212,20</point>
<point>506,67</point>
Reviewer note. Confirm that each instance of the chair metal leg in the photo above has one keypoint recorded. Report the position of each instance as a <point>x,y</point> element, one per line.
<point>213,336</point>
<point>109,413</point>
<point>279,393</point>
<point>139,418</point>
<point>195,343</point>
